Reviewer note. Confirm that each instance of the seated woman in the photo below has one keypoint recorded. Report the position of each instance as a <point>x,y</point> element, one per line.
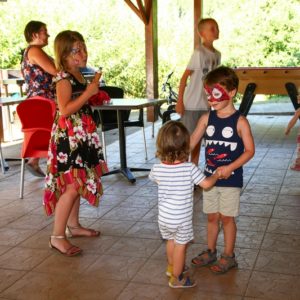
<point>38,69</point>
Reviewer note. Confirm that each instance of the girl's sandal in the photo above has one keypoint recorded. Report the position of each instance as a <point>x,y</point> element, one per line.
<point>228,263</point>
<point>70,234</point>
<point>205,258</point>
<point>71,251</point>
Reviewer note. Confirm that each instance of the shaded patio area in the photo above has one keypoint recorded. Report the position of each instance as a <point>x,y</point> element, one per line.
<point>128,261</point>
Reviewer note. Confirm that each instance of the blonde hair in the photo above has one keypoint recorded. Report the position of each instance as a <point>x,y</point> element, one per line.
<point>63,44</point>
<point>203,22</point>
<point>173,142</point>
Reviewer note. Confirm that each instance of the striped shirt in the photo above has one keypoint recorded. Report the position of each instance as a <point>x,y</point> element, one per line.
<point>175,191</point>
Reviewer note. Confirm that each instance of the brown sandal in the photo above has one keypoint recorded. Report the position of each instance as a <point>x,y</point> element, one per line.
<point>71,251</point>
<point>70,234</point>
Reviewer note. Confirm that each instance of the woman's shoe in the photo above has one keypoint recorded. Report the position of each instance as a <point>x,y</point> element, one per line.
<point>71,251</point>
<point>35,170</point>
<point>90,232</point>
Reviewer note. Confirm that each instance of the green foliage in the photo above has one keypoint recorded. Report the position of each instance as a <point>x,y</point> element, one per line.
<point>252,33</point>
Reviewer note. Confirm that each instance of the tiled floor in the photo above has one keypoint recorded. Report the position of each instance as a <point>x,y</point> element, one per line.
<point>128,260</point>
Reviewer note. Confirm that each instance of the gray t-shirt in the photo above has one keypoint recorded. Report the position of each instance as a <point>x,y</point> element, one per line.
<point>202,61</point>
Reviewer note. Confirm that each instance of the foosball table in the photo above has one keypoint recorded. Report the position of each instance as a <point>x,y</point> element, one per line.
<point>267,81</point>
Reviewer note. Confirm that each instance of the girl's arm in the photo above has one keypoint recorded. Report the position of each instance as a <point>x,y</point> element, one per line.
<point>210,181</point>
<point>199,131</point>
<point>182,85</point>
<point>38,57</point>
<point>68,106</point>
<point>244,131</point>
<point>293,121</point>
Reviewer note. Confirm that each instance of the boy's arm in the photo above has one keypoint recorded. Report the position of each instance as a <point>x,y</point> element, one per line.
<point>199,131</point>
<point>245,133</point>
<point>293,121</point>
<point>182,85</point>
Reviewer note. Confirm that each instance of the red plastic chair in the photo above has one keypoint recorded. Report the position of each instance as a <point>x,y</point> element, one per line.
<point>36,115</point>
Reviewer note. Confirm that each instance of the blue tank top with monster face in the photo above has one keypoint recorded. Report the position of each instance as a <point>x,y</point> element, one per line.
<point>223,146</point>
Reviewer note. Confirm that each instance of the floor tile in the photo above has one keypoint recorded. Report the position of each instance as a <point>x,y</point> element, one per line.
<point>9,277</point>
<point>139,291</point>
<point>281,243</point>
<point>23,258</point>
<point>126,213</point>
<point>273,286</point>
<point>278,262</point>
<point>57,263</point>
<point>135,247</point>
<point>115,267</point>
<point>284,226</point>
<point>144,230</point>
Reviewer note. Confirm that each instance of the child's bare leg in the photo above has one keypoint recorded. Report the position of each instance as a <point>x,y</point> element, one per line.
<point>73,219</point>
<point>212,230</point>
<point>62,212</point>
<point>178,259</point>
<point>74,227</point>
<point>229,228</point>
<point>195,154</point>
<point>170,251</point>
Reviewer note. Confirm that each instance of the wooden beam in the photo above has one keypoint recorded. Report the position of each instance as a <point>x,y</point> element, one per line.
<point>148,6</point>
<point>197,15</point>
<point>151,48</point>
<point>135,10</point>
<point>142,11</point>
<point>152,60</point>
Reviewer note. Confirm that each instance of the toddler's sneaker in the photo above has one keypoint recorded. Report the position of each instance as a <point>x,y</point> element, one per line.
<point>169,270</point>
<point>182,282</point>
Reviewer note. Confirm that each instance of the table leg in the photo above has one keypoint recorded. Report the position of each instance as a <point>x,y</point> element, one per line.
<point>126,171</point>
<point>1,126</point>
<point>293,93</point>
<point>248,98</point>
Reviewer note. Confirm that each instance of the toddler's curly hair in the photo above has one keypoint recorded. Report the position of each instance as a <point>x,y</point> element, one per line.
<point>173,142</point>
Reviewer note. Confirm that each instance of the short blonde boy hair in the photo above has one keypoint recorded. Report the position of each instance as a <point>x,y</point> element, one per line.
<point>203,22</point>
<point>173,142</point>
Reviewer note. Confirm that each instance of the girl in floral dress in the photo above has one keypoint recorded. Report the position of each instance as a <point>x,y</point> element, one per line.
<point>75,160</point>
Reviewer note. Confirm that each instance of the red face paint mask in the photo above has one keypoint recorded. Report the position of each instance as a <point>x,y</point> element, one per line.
<point>216,93</point>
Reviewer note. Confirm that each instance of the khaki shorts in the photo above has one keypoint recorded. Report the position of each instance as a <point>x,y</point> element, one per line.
<point>190,119</point>
<point>224,200</point>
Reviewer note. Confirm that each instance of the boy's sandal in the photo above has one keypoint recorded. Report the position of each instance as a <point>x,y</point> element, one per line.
<point>204,258</point>
<point>228,263</point>
<point>71,251</point>
<point>90,232</point>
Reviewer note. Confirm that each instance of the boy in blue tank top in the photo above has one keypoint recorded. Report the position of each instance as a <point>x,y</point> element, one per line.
<point>229,145</point>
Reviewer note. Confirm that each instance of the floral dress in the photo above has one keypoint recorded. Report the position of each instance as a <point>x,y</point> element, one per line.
<point>37,81</point>
<point>75,154</point>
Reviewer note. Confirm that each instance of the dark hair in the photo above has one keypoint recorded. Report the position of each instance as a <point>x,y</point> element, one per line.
<point>63,44</point>
<point>173,142</point>
<point>31,28</point>
<point>225,76</point>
